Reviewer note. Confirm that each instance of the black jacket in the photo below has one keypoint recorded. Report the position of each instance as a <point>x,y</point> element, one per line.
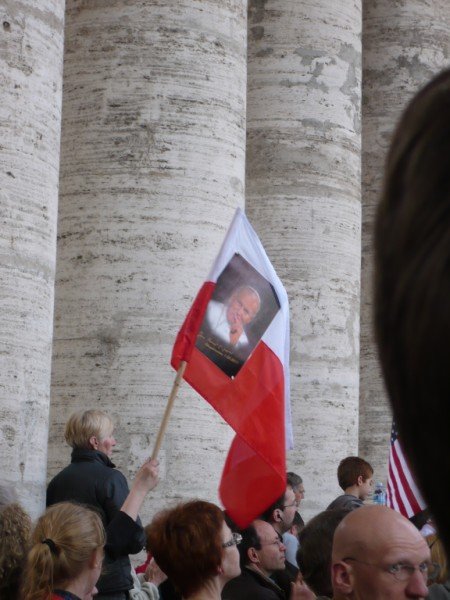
<point>250,585</point>
<point>91,479</point>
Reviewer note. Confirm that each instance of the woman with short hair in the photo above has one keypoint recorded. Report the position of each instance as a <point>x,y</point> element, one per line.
<point>195,548</point>
<point>93,480</point>
<point>66,554</point>
<point>91,429</point>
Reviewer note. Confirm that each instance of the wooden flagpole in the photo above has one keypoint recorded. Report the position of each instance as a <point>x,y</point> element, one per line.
<point>170,401</point>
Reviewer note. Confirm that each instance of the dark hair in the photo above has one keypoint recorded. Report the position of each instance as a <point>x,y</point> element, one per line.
<point>186,542</point>
<point>293,479</point>
<point>267,515</point>
<point>298,520</point>
<point>314,553</point>
<point>250,539</point>
<point>412,288</point>
<point>350,469</point>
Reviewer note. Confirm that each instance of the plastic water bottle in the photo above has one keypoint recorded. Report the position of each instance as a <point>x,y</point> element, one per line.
<point>379,495</point>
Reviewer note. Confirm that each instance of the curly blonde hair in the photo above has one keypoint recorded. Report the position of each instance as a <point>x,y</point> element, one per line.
<point>15,531</point>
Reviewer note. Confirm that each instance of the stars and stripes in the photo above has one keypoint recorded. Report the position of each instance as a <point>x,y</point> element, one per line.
<point>402,493</point>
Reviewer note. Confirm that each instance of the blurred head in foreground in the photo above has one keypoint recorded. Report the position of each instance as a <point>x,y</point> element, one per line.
<point>412,289</point>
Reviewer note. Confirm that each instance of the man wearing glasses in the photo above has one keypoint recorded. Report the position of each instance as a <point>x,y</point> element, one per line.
<point>380,555</point>
<point>262,556</point>
<point>281,515</point>
<point>282,512</point>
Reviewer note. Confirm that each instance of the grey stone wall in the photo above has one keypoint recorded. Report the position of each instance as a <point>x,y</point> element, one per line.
<point>303,197</point>
<point>31,47</point>
<point>405,44</point>
<point>152,169</point>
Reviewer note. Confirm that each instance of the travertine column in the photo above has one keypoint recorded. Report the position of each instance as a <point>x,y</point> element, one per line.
<point>31,52</point>
<point>303,197</point>
<point>405,43</point>
<point>152,169</point>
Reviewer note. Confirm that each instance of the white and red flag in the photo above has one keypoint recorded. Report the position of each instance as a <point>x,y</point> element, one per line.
<point>402,494</point>
<point>235,340</point>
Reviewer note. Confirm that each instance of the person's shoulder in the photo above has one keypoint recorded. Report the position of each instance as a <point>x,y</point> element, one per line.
<point>114,484</point>
<point>59,481</point>
<point>345,501</point>
<point>249,585</point>
<point>59,475</point>
<point>439,591</point>
<point>337,502</point>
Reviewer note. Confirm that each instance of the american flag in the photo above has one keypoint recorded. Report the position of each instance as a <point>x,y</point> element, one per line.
<point>402,493</point>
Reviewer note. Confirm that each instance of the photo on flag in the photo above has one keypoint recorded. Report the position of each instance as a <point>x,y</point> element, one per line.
<point>240,310</point>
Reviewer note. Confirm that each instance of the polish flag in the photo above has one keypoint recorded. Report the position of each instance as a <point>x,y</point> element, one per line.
<point>235,340</point>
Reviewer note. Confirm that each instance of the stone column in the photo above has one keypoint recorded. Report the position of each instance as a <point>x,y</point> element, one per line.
<point>31,51</point>
<point>152,170</point>
<point>303,197</point>
<point>405,44</point>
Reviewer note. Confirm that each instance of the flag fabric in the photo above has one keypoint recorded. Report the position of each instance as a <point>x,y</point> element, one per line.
<point>235,340</point>
<point>402,493</point>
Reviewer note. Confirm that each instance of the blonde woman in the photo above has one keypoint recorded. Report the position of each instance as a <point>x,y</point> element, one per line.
<point>92,479</point>
<point>66,554</point>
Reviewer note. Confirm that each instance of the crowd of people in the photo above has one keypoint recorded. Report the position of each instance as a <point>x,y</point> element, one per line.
<point>79,548</point>
<point>354,550</point>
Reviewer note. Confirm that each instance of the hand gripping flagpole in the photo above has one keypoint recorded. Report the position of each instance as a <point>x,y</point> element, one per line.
<point>170,402</point>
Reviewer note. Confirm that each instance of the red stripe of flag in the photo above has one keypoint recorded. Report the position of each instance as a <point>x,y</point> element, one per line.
<point>396,485</point>
<point>405,484</point>
<point>400,481</point>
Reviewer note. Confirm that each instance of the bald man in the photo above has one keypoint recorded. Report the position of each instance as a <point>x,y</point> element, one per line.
<point>379,555</point>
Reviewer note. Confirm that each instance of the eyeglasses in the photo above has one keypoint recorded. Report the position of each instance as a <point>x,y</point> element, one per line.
<point>277,542</point>
<point>295,503</point>
<point>236,538</point>
<point>403,572</point>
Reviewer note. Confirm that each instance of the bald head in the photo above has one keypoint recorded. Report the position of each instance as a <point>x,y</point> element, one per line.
<point>366,531</point>
<point>366,544</point>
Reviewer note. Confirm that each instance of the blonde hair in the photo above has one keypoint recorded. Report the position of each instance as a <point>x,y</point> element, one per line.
<point>82,425</point>
<point>438,556</point>
<point>62,542</point>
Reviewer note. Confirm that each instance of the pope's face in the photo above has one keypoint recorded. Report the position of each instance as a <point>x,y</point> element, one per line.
<point>242,308</point>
